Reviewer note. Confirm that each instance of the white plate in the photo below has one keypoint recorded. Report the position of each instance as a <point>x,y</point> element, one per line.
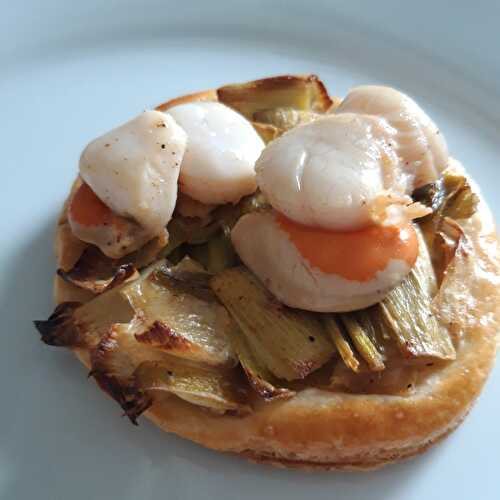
<point>71,70</point>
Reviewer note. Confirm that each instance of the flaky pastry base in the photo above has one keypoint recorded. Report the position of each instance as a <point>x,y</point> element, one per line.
<point>318,429</point>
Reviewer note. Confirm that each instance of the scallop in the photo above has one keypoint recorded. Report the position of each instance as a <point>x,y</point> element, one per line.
<point>322,271</point>
<point>219,164</point>
<point>328,172</point>
<point>134,169</point>
<point>420,144</point>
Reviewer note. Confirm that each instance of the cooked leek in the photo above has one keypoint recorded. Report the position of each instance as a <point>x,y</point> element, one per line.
<point>360,334</point>
<point>445,244</point>
<point>202,238</point>
<point>450,196</point>
<point>119,365</point>
<point>97,273</point>
<point>284,119</point>
<point>208,388</point>
<point>266,131</point>
<point>221,254</point>
<point>407,314</point>
<point>341,343</point>
<point>299,92</point>
<point>259,377</point>
<point>83,325</point>
<point>290,343</point>
<point>180,314</point>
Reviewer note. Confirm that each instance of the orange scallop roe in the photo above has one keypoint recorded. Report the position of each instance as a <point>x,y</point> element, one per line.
<point>88,210</point>
<point>355,255</point>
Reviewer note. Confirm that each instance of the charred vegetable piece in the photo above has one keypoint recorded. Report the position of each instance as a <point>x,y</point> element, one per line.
<point>192,230</point>
<point>259,377</point>
<point>119,364</point>
<point>97,273</point>
<point>290,343</point>
<point>59,328</point>
<point>284,119</point>
<point>197,232</point>
<point>82,325</point>
<point>180,314</point>
<point>218,391</point>
<point>361,334</point>
<point>266,131</point>
<point>112,365</point>
<point>447,239</point>
<point>199,253</point>
<point>341,343</point>
<point>450,196</point>
<point>407,314</point>
<point>221,254</point>
<point>228,215</point>
<point>305,93</point>
<point>188,207</point>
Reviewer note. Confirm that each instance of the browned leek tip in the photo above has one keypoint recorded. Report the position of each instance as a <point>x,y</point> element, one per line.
<point>301,92</point>
<point>58,330</point>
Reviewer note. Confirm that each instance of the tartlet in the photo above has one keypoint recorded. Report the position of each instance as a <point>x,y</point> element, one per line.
<point>327,417</point>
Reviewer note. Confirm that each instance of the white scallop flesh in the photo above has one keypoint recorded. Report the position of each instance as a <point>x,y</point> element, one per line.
<point>134,169</point>
<point>329,172</point>
<point>219,164</point>
<point>267,250</point>
<point>420,145</point>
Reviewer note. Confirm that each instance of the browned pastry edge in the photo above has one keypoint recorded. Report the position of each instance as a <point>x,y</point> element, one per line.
<point>327,431</point>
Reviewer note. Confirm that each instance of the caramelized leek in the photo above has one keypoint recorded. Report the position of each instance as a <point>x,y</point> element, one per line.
<point>341,343</point>
<point>284,119</point>
<point>290,343</point>
<point>119,365</point>
<point>191,230</point>
<point>208,388</point>
<point>188,207</point>
<point>259,377</point>
<point>360,336</point>
<point>221,254</point>
<point>97,273</point>
<point>266,131</point>
<point>450,196</point>
<point>305,93</point>
<point>193,235</point>
<point>180,314</point>
<point>82,325</point>
<point>407,314</point>
<point>445,244</point>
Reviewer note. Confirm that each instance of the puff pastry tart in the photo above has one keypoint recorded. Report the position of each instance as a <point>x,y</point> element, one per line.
<point>263,269</point>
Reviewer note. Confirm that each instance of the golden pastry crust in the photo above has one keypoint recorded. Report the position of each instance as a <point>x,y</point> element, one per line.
<point>318,429</point>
